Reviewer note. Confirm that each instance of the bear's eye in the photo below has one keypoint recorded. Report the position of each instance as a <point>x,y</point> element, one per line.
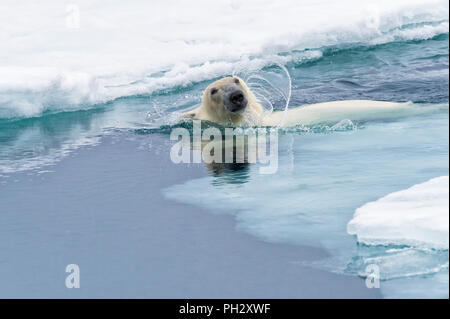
<point>236,81</point>
<point>213,91</point>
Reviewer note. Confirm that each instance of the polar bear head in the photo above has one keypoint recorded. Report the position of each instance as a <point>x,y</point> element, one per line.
<point>228,94</point>
<point>228,101</point>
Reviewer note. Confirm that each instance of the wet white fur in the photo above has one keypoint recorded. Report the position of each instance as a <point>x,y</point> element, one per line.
<point>327,112</point>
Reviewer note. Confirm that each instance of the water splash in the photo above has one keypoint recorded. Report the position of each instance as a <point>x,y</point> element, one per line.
<point>272,86</point>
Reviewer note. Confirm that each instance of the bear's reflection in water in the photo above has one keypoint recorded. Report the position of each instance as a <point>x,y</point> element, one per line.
<point>227,158</point>
<point>234,168</point>
<point>229,173</point>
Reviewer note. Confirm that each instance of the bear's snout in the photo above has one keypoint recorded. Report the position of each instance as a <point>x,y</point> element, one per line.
<point>237,97</point>
<point>238,101</point>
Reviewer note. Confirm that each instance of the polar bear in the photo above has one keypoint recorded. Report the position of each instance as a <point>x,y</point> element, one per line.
<point>230,102</point>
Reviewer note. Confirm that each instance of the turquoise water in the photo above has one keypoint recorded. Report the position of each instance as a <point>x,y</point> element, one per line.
<point>324,174</point>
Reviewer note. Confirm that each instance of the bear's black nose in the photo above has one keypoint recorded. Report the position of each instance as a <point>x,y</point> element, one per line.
<point>236,101</point>
<point>237,98</point>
